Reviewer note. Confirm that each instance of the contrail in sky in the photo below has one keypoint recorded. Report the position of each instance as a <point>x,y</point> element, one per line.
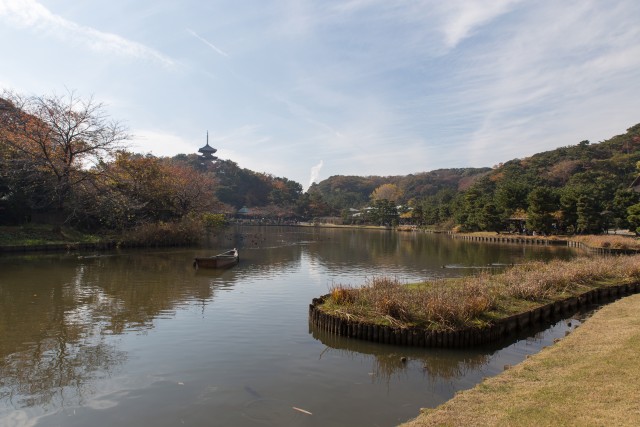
<point>207,42</point>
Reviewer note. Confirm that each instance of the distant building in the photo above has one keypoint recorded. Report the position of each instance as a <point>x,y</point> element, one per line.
<point>208,151</point>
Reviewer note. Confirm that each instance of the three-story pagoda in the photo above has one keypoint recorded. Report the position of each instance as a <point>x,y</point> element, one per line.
<point>208,151</point>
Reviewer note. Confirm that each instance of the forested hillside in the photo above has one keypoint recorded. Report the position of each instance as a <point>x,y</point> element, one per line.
<point>64,161</point>
<point>582,188</point>
<point>344,192</point>
<point>238,187</point>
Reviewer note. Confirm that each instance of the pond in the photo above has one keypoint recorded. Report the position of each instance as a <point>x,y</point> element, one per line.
<point>138,337</point>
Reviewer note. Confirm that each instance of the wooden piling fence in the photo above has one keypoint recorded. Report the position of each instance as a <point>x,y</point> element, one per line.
<point>543,241</point>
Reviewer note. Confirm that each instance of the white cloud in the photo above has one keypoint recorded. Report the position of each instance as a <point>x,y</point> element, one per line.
<point>162,144</point>
<point>368,86</point>
<point>461,18</point>
<point>31,14</point>
<point>547,75</point>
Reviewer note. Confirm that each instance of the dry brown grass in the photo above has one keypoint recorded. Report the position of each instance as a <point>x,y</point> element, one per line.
<point>590,378</point>
<point>613,241</point>
<point>476,300</point>
<point>436,304</point>
<point>537,281</point>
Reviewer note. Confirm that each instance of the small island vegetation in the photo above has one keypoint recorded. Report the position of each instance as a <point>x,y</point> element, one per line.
<point>479,300</point>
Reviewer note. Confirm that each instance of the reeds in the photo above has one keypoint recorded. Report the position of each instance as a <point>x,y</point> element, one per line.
<point>536,281</point>
<point>436,304</point>
<point>450,304</point>
<point>613,241</point>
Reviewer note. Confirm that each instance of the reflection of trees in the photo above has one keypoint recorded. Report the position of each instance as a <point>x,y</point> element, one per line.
<point>348,246</point>
<point>431,251</point>
<point>50,343</point>
<point>392,360</point>
<point>57,313</point>
<point>45,372</point>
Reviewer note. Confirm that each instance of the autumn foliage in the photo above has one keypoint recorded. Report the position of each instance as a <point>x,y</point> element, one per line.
<point>64,161</point>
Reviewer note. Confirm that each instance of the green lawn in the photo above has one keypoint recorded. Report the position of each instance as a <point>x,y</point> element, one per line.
<point>40,234</point>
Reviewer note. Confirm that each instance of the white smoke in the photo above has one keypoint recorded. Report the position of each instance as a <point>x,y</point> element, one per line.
<point>315,173</point>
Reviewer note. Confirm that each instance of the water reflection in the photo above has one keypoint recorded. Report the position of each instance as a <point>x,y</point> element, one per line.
<point>397,253</point>
<point>55,326</point>
<point>389,360</point>
<point>446,364</point>
<point>52,346</point>
<point>103,332</point>
<point>55,372</point>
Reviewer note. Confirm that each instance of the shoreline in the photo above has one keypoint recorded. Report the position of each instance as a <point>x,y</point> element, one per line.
<point>475,237</point>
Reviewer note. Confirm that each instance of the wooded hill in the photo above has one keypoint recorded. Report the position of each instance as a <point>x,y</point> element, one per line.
<point>344,192</point>
<point>577,188</point>
<point>64,161</point>
<point>583,188</point>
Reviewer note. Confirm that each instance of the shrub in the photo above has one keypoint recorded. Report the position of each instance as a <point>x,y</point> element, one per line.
<point>213,220</point>
<point>342,295</point>
<point>187,231</point>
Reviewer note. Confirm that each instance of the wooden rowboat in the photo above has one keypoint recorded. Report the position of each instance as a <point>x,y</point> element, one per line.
<point>223,260</point>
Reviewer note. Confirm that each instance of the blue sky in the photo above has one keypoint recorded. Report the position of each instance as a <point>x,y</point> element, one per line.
<point>309,89</point>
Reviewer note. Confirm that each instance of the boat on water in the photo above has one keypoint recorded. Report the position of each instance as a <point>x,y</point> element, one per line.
<point>222,260</point>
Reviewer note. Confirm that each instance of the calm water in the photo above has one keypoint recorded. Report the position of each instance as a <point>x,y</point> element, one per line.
<point>140,338</point>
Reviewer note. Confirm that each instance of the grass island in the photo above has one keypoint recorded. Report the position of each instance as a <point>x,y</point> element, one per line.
<point>475,309</point>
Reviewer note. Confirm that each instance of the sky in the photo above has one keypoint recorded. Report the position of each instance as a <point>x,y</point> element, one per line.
<point>309,89</point>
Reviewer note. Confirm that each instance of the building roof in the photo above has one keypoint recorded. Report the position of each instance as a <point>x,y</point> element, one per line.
<point>207,149</point>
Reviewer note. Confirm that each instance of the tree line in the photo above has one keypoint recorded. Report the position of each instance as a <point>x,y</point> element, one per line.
<point>582,188</point>
<point>63,160</point>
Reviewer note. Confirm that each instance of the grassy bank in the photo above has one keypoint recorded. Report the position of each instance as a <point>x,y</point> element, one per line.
<point>43,234</point>
<point>188,231</point>
<point>591,377</point>
<point>613,241</point>
<point>476,301</point>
